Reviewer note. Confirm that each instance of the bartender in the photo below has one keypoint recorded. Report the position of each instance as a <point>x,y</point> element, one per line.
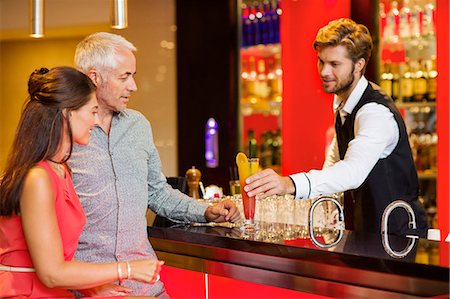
<point>370,158</point>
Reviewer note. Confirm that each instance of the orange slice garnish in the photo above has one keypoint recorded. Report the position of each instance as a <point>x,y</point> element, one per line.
<point>241,158</point>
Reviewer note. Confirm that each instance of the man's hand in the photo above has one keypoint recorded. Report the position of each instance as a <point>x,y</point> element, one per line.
<point>223,211</point>
<point>267,183</point>
<point>106,290</point>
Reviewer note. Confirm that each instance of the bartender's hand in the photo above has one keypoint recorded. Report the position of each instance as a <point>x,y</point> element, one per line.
<point>268,182</point>
<point>223,211</point>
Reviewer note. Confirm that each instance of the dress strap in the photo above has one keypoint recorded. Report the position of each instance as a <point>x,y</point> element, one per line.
<point>16,269</point>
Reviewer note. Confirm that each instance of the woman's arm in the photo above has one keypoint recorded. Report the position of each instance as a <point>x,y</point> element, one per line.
<point>42,235</point>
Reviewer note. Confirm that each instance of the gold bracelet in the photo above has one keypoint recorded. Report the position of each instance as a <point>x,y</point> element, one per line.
<point>128,270</point>
<point>119,272</point>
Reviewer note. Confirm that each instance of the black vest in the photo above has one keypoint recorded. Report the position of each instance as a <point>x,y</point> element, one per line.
<point>392,178</point>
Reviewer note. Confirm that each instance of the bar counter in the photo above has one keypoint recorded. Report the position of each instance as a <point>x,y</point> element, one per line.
<point>357,266</point>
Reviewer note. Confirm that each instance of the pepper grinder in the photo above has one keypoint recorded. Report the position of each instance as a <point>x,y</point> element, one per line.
<point>193,176</point>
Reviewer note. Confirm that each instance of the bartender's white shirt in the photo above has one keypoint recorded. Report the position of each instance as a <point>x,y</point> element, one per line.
<point>376,136</point>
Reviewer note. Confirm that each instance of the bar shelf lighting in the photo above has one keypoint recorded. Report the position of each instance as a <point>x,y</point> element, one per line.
<point>36,18</point>
<point>119,14</point>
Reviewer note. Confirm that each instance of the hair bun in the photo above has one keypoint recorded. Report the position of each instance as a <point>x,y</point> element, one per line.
<point>36,82</point>
<point>42,71</point>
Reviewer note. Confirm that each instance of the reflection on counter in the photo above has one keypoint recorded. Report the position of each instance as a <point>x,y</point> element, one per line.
<point>285,221</point>
<point>413,250</point>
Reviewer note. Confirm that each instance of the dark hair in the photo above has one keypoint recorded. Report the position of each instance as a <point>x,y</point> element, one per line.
<point>40,129</point>
<point>345,32</point>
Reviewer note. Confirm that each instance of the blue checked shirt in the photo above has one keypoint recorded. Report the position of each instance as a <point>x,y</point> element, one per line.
<point>116,178</point>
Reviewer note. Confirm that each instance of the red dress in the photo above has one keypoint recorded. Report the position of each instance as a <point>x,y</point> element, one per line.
<point>14,251</point>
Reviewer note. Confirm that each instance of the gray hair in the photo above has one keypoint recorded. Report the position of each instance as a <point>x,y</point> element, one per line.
<point>98,49</point>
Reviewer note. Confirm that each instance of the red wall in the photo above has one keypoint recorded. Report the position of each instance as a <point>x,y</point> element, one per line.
<point>443,116</point>
<point>307,110</point>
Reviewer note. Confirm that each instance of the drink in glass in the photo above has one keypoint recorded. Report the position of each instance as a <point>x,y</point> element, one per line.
<point>246,168</point>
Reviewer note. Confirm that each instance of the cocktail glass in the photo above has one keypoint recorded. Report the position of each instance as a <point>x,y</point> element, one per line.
<point>246,168</point>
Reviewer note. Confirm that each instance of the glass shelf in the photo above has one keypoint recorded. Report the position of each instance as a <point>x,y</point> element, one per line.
<point>410,105</point>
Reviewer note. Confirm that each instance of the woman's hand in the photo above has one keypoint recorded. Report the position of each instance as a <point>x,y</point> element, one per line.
<point>144,270</point>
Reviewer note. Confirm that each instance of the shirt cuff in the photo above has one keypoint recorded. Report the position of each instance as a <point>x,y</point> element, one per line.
<point>302,185</point>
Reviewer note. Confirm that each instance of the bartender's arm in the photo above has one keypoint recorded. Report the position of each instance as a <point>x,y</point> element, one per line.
<point>376,135</point>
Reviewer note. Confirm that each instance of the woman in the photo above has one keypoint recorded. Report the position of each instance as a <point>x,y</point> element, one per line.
<point>41,217</point>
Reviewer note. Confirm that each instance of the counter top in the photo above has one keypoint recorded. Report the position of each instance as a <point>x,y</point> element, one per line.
<point>358,265</point>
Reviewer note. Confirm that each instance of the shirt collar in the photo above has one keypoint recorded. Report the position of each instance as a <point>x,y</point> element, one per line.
<point>123,113</point>
<point>354,97</point>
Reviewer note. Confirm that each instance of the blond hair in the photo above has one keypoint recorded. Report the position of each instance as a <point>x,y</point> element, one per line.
<point>354,37</point>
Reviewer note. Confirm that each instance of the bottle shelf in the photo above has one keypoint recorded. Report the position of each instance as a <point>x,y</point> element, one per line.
<point>410,105</point>
<point>427,175</point>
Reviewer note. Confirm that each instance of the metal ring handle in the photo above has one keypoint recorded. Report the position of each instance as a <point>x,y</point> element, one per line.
<point>384,228</point>
<point>333,199</point>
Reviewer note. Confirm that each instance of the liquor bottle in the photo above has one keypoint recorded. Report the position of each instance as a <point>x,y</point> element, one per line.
<point>276,149</point>
<point>405,21</point>
<point>382,19</point>
<point>251,25</point>
<point>250,98</point>
<point>393,19</point>
<point>429,32</point>
<point>386,78</point>
<point>406,82</point>
<point>248,87</point>
<point>276,20</point>
<point>212,143</point>
<point>263,88</point>
<point>245,22</point>
<point>276,84</point>
<point>269,15</point>
<point>432,80</point>
<point>266,149</point>
<point>252,145</point>
<point>395,81</point>
<point>415,45</point>
<point>428,17</point>
<point>262,23</point>
<point>419,81</point>
<point>255,24</point>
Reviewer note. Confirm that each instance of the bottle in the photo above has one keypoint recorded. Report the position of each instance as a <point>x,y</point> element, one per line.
<point>406,82</point>
<point>212,143</point>
<point>251,25</point>
<point>262,23</point>
<point>415,44</point>
<point>249,80</point>
<point>386,78</point>
<point>405,21</point>
<point>263,90</point>
<point>255,23</point>
<point>382,19</point>
<point>276,85</point>
<point>395,81</point>
<point>276,149</point>
<point>432,80</point>
<point>193,176</point>
<point>392,23</point>
<point>252,144</point>
<point>266,150</point>
<point>429,31</point>
<point>245,23</point>
<point>276,20</point>
<point>268,13</point>
<point>419,81</point>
